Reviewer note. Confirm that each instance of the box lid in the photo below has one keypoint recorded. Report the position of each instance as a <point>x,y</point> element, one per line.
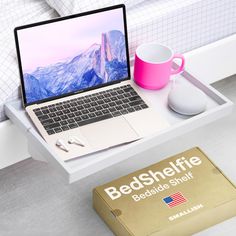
<point>167,193</point>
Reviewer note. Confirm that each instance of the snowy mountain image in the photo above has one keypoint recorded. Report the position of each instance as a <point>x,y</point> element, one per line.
<point>98,64</point>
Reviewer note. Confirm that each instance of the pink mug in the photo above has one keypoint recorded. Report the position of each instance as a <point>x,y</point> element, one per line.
<point>153,65</point>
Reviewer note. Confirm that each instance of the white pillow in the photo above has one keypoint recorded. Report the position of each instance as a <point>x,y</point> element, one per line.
<point>67,7</point>
<point>12,14</point>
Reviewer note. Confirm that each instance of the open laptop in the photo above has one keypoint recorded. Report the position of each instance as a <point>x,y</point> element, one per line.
<point>76,83</point>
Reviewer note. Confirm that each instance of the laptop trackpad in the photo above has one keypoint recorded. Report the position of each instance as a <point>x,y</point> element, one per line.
<point>108,133</point>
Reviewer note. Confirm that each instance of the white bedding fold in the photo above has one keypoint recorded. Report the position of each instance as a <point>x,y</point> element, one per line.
<point>15,13</point>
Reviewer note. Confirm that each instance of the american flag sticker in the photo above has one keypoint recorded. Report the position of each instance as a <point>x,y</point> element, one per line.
<point>174,199</point>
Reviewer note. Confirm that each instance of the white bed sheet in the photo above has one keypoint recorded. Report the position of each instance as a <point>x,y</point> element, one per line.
<point>15,13</point>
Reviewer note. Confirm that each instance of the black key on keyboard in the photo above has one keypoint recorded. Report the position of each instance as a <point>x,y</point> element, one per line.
<point>57,119</point>
<point>112,109</point>
<point>98,108</point>
<point>144,105</point>
<point>128,89</point>
<point>73,104</point>
<point>66,111</point>
<point>58,130</point>
<point>93,104</point>
<point>92,109</point>
<point>52,126</point>
<point>98,113</point>
<point>59,108</point>
<point>80,107</point>
<point>111,104</point>
<point>71,115</point>
<point>45,111</point>
<point>114,93</point>
<point>73,126</point>
<point>127,94</point>
<point>84,117</point>
<point>114,98</point>
<point>47,122</point>
<point>131,109</point>
<point>64,122</point>
<point>116,113</point>
<point>133,93</point>
<point>43,117</point>
<point>52,114</point>
<point>119,102</point>
<point>120,91</point>
<point>72,109</point>
<point>87,100</point>
<point>64,117</point>
<point>125,100</point>
<point>38,113</point>
<point>124,112</point>
<point>93,99</point>
<point>66,105</point>
<point>100,102</point>
<point>120,96</point>
<point>105,111</point>
<point>134,98</point>
<point>135,103</point>
<point>137,108</point>
<point>119,108</point>
<point>105,106</point>
<point>59,113</point>
<point>64,128</point>
<point>50,132</point>
<point>78,113</point>
<point>87,105</point>
<point>107,99</point>
<point>81,102</point>
<point>78,119</point>
<point>84,111</point>
<point>91,115</point>
<point>71,121</point>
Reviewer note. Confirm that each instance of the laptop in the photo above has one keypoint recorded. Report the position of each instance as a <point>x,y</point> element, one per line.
<point>76,83</point>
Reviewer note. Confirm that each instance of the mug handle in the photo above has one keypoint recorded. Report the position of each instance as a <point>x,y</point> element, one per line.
<point>181,68</point>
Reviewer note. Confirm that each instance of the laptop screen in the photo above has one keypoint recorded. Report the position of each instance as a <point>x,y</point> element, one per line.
<point>72,54</point>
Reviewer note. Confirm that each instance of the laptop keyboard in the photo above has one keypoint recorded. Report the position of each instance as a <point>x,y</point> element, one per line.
<point>92,108</point>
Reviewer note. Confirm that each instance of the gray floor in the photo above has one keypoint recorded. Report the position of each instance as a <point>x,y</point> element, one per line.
<point>34,200</point>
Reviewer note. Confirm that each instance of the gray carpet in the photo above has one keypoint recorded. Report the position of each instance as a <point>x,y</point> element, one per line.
<point>34,200</point>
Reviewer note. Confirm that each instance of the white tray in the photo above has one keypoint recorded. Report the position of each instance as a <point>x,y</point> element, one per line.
<point>218,106</point>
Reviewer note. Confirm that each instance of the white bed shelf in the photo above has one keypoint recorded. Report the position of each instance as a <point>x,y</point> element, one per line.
<point>218,106</point>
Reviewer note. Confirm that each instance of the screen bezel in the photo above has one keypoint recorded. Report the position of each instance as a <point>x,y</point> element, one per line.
<point>25,103</point>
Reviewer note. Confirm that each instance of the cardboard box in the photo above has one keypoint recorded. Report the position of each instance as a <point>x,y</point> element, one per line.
<point>181,195</point>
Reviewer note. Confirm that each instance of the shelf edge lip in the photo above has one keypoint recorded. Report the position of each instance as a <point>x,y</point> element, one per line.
<point>224,107</point>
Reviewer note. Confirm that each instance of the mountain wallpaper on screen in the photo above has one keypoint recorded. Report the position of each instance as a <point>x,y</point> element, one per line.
<point>99,64</point>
